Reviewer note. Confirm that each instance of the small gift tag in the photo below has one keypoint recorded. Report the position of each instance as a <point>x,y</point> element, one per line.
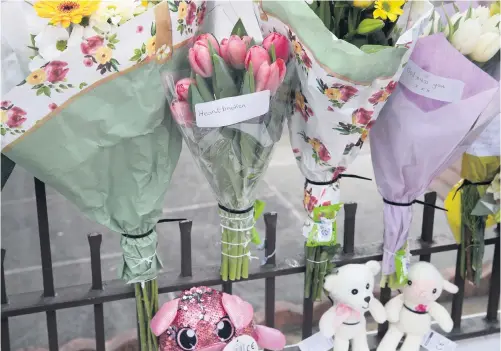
<point>434,341</point>
<point>325,230</point>
<point>242,343</point>
<point>316,342</point>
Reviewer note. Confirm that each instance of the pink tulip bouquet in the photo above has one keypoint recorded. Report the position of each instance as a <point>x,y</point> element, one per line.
<point>231,111</point>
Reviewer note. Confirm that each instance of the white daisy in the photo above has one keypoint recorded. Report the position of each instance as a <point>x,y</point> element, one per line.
<point>163,52</point>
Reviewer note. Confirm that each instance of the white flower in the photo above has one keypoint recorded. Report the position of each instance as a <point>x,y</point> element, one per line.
<point>492,24</point>
<point>481,13</point>
<point>487,46</point>
<point>466,37</point>
<point>116,11</point>
<point>163,52</point>
<point>51,42</point>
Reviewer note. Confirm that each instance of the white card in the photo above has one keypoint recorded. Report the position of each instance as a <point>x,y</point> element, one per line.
<point>488,142</point>
<point>242,343</point>
<point>324,231</point>
<point>434,341</point>
<point>316,342</point>
<point>429,85</point>
<point>228,111</point>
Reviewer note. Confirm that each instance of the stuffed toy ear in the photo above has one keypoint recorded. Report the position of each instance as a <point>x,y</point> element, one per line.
<point>374,266</point>
<point>164,317</point>
<point>269,338</point>
<point>239,311</point>
<point>449,287</point>
<point>330,283</point>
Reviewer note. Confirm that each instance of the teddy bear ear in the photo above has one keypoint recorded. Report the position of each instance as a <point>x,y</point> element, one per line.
<point>330,282</point>
<point>374,267</point>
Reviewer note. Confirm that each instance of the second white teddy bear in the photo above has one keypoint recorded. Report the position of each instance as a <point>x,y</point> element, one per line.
<point>351,287</point>
<point>411,312</point>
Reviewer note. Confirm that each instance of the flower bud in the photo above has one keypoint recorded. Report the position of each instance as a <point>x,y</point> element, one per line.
<point>269,77</point>
<point>182,88</point>
<point>281,44</point>
<point>256,55</point>
<point>233,50</point>
<point>200,60</point>
<point>466,37</point>
<point>487,46</point>
<point>204,39</point>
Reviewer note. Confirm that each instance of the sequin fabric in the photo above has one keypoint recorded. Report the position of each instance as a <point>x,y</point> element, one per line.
<point>199,318</point>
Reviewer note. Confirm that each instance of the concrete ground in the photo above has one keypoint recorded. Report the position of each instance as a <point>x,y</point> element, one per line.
<point>189,196</point>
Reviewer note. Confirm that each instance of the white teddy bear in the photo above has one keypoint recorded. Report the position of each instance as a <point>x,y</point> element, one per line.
<point>410,313</point>
<point>351,286</point>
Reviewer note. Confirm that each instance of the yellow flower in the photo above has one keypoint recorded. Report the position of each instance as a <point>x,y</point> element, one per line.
<point>103,54</point>
<point>151,45</point>
<point>495,8</point>
<point>297,47</point>
<point>3,116</point>
<point>65,12</point>
<point>36,77</point>
<point>182,10</point>
<point>315,144</point>
<point>300,100</point>
<point>388,9</point>
<point>362,3</point>
<point>144,3</point>
<point>333,93</point>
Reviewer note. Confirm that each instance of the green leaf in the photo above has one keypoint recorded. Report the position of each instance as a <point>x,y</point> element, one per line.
<point>204,89</point>
<point>273,54</point>
<point>97,30</point>
<point>369,25</point>
<point>456,8</point>
<point>224,85</point>
<point>23,82</point>
<point>370,49</point>
<point>38,86</point>
<point>239,29</point>
<point>82,85</point>
<point>58,90</point>
<point>194,97</point>
<point>46,91</point>
<point>114,41</point>
<point>63,86</point>
<point>32,39</point>
<point>111,46</point>
<point>70,85</point>
<point>135,58</point>
<point>449,24</point>
<point>180,28</point>
<point>3,131</point>
<point>153,29</point>
<point>40,91</point>
<point>248,86</point>
<point>112,37</point>
<point>33,48</point>
<point>143,49</point>
<point>469,13</point>
<point>114,62</point>
<point>138,52</point>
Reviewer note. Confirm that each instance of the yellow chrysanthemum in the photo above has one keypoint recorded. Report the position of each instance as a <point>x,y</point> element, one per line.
<point>388,9</point>
<point>144,3</point>
<point>36,77</point>
<point>182,10</point>
<point>65,12</point>
<point>103,54</point>
<point>495,8</point>
<point>151,45</point>
<point>333,93</point>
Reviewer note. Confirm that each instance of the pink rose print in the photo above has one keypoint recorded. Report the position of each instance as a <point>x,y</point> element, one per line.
<point>139,29</point>
<point>361,116</point>
<point>201,14</point>
<point>309,201</point>
<point>391,86</point>
<point>90,46</point>
<point>56,71</point>
<point>326,203</point>
<point>338,171</point>
<point>296,151</point>
<point>347,92</point>
<point>323,153</point>
<point>383,94</point>
<point>421,308</point>
<point>16,117</point>
<point>52,106</point>
<point>376,97</point>
<point>190,17</point>
<point>306,60</point>
<point>330,109</point>
<point>88,62</point>
<point>6,104</point>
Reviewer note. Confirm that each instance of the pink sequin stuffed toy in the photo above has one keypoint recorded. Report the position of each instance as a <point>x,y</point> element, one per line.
<point>204,319</point>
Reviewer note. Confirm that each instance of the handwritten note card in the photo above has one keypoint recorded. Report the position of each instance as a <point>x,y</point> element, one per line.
<point>434,341</point>
<point>228,111</point>
<point>429,85</point>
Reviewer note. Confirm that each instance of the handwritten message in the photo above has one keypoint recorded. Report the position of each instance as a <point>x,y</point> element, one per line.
<point>429,85</point>
<point>228,111</point>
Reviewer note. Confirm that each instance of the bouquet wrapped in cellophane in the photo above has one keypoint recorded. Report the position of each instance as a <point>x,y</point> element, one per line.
<point>231,109</point>
<point>442,104</point>
<point>90,118</point>
<point>349,56</point>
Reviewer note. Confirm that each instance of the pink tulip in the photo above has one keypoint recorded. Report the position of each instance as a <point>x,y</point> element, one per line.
<point>257,55</point>
<point>181,112</point>
<point>233,50</point>
<point>204,39</point>
<point>182,88</point>
<point>200,59</point>
<point>281,45</point>
<point>269,77</point>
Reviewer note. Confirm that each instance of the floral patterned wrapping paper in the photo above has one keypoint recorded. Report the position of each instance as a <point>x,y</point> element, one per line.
<point>94,125</point>
<point>341,91</point>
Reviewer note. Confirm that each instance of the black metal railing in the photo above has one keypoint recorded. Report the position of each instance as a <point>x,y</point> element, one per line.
<point>98,292</point>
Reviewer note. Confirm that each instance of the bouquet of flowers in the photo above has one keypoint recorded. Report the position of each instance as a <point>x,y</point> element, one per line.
<point>349,56</point>
<point>231,110</point>
<point>443,102</point>
<point>92,122</point>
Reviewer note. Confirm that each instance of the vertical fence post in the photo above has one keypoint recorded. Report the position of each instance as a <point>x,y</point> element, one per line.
<point>95,240</point>
<point>493,302</point>
<point>384,297</point>
<point>428,223</point>
<point>270,220</point>
<point>458,298</point>
<point>185,229</point>
<point>350,211</point>
<point>5,321</point>
<point>46,256</point>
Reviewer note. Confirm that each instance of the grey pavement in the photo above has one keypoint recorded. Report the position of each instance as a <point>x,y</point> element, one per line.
<point>189,196</point>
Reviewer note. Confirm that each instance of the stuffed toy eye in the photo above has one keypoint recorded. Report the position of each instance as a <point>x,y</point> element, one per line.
<point>187,339</point>
<point>225,329</point>
<point>354,291</point>
<point>367,286</point>
<point>409,283</point>
<point>435,291</point>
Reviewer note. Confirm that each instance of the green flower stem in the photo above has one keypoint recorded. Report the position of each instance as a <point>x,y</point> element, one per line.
<point>224,258</point>
<point>233,253</point>
<point>140,318</point>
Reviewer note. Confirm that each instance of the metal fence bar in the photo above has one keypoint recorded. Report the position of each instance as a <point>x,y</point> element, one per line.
<point>458,298</point>
<point>428,223</point>
<point>5,321</point>
<point>384,297</point>
<point>95,240</point>
<point>493,302</point>
<point>270,220</point>
<point>46,256</point>
<point>350,211</point>
<point>186,264</point>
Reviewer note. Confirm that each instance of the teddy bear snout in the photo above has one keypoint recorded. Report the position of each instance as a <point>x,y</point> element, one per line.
<point>367,299</point>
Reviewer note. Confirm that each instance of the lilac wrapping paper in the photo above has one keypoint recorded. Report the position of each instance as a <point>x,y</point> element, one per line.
<point>416,138</point>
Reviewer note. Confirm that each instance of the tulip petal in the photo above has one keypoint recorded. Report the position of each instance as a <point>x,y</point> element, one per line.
<point>262,76</point>
<point>282,69</point>
<point>273,80</point>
